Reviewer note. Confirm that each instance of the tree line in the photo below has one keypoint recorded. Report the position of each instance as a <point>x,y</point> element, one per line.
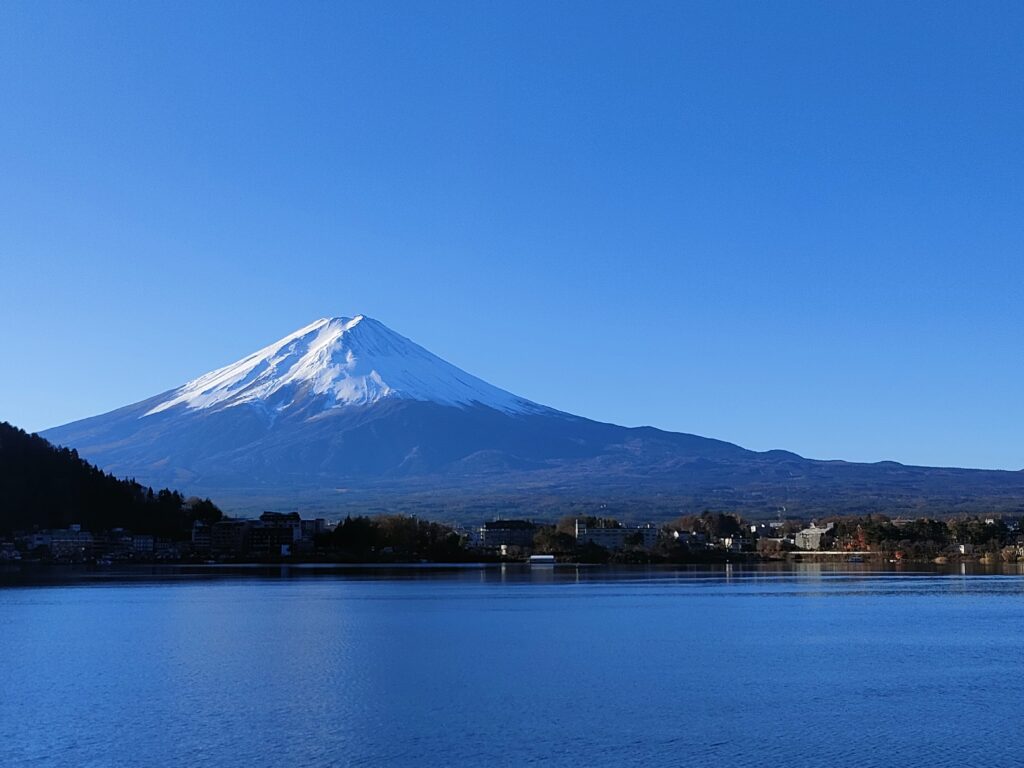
<point>44,486</point>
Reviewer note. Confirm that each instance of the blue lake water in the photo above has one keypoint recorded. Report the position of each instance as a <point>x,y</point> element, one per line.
<point>471,667</point>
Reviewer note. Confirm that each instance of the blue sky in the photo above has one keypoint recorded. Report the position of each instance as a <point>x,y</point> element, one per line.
<point>792,225</point>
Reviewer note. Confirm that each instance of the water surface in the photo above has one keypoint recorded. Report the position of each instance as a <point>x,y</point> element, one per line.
<point>491,666</point>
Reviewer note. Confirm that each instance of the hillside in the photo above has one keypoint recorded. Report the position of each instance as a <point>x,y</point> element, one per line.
<point>48,487</point>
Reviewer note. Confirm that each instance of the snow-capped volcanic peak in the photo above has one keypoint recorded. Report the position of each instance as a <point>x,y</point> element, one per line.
<point>346,362</point>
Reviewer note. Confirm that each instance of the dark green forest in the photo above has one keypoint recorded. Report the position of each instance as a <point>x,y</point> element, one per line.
<point>44,486</point>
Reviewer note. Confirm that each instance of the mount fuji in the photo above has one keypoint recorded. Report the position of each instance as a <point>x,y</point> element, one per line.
<point>345,415</point>
<point>338,363</point>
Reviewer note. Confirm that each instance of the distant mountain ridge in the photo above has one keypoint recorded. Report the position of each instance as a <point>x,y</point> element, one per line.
<point>345,414</point>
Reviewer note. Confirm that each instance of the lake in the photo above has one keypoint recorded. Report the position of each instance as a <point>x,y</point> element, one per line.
<point>508,666</point>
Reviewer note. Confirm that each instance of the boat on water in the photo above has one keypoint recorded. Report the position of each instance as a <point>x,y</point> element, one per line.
<point>541,560</point>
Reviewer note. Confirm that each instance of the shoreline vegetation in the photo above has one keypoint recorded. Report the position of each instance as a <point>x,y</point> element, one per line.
<point>709,539</point>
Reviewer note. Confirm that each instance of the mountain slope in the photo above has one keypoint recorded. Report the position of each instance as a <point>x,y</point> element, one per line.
<point>347,414</point>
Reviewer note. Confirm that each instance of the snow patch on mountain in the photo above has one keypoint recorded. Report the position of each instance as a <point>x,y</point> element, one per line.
<point>345,362</point>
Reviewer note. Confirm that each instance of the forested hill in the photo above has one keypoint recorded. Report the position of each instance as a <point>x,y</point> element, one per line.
<point>48,487</point>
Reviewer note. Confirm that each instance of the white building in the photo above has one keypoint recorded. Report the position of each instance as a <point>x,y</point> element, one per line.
<point>812,538</point>
<point>617,538</point>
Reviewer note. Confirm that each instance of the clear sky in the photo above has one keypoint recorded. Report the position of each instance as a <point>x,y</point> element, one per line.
<point>795,225</point>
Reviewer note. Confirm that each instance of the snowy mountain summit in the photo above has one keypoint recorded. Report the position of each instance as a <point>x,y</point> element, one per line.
<point>340,362</point>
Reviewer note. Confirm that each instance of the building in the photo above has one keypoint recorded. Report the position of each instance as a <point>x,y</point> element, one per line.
<point>275,533</point>
<point>814,537</point>
<point>313,528</point>
<point>645,536</point>
<point>71,543</point>
<point>201,531</point>
<point>230,537</point>
<point>166,549</point>
<point>496,534</point>
<point>115,544</point>
<point>35,540</point>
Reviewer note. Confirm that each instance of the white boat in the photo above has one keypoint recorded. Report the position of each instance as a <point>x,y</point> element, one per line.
<point>542,560</point>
